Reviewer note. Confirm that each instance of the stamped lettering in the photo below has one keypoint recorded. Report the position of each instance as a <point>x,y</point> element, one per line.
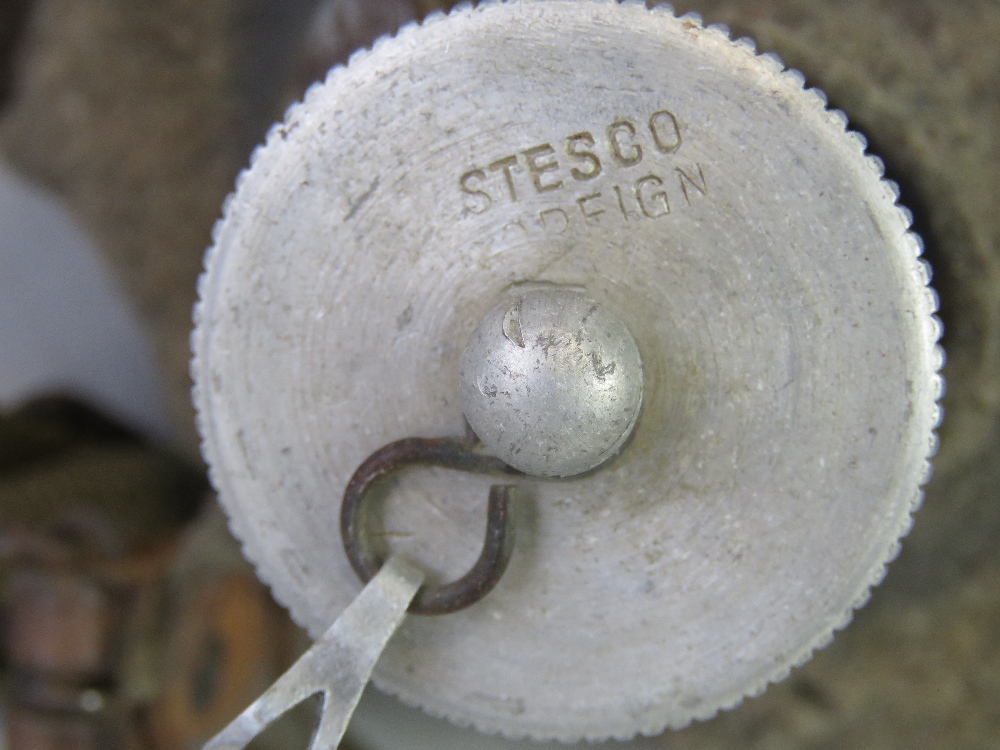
<point>506,165</point>
<point>580,147</point>
<point>653,202</point>
<point>588,208</point>
<point>539,162</point>
<point>632,170</point>
<point>481,200</point>
<point>554,220</point>
<point>696,182</point>
<point>665,130</point>
<point>621,139</point>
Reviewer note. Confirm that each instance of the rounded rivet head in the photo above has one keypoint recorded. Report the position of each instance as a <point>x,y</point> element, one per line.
<point>552,382</point>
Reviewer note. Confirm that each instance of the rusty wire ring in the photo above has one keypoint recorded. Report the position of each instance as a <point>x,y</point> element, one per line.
<point>449,453</point>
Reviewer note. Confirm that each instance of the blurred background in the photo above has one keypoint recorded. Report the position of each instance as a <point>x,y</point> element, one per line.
<point>129,618</point>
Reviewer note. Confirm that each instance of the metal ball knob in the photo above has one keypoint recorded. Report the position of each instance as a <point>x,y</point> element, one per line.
<point>551,382</point>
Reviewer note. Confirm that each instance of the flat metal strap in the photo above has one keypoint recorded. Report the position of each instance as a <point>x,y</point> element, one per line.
<point>338,665</point>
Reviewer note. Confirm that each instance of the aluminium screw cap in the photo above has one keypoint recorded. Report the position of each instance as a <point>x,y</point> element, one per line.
<point>718,209</point>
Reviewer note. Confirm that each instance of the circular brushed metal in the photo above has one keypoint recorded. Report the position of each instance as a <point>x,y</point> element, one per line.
<point>737,231</point>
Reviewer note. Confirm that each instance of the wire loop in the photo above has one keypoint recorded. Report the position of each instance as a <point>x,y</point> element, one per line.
<point>449,453</point>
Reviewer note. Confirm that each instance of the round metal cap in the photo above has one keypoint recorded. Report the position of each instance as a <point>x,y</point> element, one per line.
<point>739,234</point>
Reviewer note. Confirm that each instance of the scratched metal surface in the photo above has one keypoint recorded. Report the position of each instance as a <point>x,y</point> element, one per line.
<point>745,240</point>
<point>919,665</point>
